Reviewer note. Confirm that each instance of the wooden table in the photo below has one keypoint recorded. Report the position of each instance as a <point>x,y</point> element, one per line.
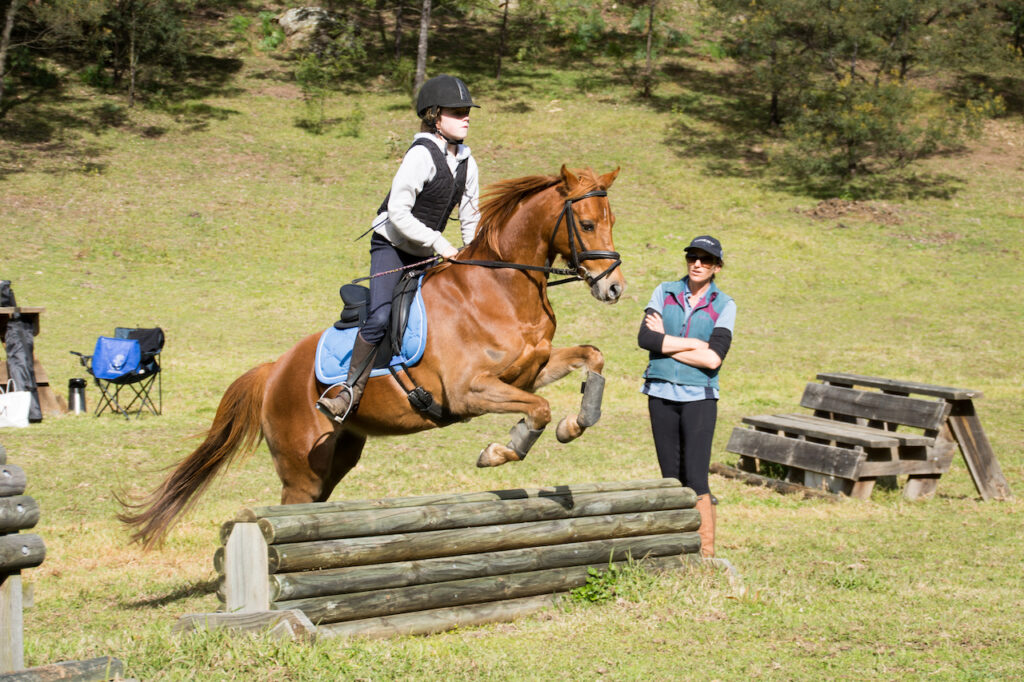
<point>49,401</point>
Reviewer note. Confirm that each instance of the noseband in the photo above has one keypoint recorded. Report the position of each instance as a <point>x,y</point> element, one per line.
<point>576,256</point>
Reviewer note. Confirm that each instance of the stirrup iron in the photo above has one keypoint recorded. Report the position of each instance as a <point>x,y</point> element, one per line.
<point>339,419</point>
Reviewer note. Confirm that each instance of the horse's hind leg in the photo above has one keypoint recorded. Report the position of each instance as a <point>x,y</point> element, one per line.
<point>563,361</point>
<point>310,467</point>
<point>310,456</point>
<point>347,449</point>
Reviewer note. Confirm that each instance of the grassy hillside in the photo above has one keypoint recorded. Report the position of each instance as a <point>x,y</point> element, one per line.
<point>217,218</point>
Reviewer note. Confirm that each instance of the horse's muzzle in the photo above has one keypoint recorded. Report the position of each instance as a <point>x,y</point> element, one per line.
<point>608,289</point>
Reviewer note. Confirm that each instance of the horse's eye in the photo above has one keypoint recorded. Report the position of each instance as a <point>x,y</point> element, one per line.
<point>587,225</point>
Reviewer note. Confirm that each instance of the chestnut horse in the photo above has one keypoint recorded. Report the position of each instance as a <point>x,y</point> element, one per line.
<point>489,348</point>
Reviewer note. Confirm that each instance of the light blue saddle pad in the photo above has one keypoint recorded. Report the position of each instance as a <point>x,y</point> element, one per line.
<point>334,350</point>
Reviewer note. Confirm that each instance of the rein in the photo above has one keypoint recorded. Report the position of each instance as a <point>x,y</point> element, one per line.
<point>576,258</point>
<point>432,260</point>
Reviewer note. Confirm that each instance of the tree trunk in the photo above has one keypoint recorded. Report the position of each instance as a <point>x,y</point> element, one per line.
<point>133,58</point>
<point>649,68</point>
<point>774,114</point>
<point>396,574</point>
<point>309,528</point>
<point>381,29</point>
<point>5,43</point>
<point>421,48</point>
<point>398,31</point>
<point>501,39</point>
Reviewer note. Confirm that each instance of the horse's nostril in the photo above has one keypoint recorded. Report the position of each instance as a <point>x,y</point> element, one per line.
<point>615,291</point>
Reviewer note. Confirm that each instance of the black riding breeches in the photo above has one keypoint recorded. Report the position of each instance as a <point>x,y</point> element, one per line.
<point>682,439</point>
<point>383,257</point>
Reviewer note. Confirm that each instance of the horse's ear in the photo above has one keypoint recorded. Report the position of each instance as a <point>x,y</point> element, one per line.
<point>570,180</point>
<point>607,179</point>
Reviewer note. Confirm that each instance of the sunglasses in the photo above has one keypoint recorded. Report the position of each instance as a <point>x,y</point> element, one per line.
<point>460,112</point>
<point>704,260</point>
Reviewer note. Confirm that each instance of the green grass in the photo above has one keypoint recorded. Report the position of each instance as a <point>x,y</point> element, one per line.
<point>225,224</point>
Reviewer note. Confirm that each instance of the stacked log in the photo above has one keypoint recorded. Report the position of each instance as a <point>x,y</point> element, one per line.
<point>26,550</point>
<point>17,551</point>
<point>429,563</point>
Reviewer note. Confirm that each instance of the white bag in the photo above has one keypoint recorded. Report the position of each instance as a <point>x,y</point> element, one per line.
<point>14,406</point>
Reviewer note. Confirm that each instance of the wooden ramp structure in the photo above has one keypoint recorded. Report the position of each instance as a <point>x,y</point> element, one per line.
<point>865,429</point>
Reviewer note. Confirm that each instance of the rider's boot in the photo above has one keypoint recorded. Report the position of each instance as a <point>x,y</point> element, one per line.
<point>347,400</point>
<point>706,507</point>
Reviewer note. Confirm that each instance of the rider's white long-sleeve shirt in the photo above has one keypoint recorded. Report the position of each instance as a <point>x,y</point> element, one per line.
<point>400,227</point>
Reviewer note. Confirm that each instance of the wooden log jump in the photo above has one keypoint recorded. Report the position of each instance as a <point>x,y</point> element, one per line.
<point>19,551</point>
<point>433,562</point>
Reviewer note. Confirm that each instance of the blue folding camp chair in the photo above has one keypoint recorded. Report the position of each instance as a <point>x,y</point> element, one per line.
<point>129,361</point>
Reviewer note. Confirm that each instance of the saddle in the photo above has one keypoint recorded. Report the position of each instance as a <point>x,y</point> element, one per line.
<point>356,300</point>
<point>405,338</point>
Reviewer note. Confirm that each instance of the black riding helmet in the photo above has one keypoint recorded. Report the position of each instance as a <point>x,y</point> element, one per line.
<point>443,91</point>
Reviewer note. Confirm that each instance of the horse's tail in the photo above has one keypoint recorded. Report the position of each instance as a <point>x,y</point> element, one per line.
<point>236,428</point>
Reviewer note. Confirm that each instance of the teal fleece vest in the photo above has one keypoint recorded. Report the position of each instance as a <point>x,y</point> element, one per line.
<point>699,326</point>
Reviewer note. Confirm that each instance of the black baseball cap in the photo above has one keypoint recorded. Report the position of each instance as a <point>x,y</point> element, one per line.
<point>706,243</point>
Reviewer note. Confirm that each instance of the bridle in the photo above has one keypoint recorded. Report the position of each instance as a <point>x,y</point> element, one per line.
<point>576,256</point>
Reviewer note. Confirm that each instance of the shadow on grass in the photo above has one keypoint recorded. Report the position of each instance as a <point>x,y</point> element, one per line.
<point>187,591</point>
<point>903,185</point>
<point>44,128</point>
<point>728,129</point>
<point>732,144</point>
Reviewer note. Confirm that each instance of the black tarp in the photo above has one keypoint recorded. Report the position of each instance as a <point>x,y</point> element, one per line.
<point>18,345</point>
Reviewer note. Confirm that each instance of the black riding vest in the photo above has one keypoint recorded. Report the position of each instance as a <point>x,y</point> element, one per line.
<point>439,195</point>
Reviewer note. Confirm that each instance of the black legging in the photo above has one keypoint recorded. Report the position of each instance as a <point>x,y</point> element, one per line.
<point>383,258</point>
<point>682,439</point>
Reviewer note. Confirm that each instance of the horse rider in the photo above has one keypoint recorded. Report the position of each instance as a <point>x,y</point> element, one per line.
<point>437,173</point>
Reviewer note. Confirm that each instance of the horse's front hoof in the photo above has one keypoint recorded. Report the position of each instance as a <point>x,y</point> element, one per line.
<point>495,455</point>
<point>568,429</point>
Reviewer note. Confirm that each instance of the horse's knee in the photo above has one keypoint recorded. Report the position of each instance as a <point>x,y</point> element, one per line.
<point>539,417</point>
<point>594,360</point>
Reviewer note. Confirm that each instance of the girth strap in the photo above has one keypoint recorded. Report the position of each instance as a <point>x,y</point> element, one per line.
<point>422,400</point>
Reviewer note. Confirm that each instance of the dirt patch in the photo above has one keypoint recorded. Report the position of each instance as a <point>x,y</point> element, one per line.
<point>876,212</point>
<point>927,238</point>
<point>1001,146</point>
<point>283,91</point>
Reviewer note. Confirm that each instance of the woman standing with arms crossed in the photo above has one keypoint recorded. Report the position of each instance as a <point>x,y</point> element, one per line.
<point>688,330</point>
<point>437,174</point>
